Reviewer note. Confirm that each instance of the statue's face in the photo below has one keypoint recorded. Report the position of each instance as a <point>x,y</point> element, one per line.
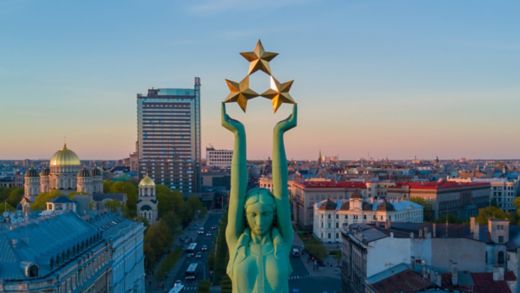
<point>260,218</point>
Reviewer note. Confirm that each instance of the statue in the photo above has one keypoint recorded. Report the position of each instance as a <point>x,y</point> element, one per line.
<point>259,232</point>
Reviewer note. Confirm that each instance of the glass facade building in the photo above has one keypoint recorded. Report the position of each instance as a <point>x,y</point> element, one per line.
<point>169,137</point>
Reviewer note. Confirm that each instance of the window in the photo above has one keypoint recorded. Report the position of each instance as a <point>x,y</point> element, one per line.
<point>500,257</point>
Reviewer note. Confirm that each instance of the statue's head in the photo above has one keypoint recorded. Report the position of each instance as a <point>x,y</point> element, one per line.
<point>260,210</point>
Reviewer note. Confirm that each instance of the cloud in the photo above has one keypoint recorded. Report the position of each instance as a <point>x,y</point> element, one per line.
<point>209,7</point>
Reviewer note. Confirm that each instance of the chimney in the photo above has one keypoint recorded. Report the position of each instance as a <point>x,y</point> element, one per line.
<point>454,274</point>
<point>434,230</point>
<point>420,233</point>
<point>472,223</point>
<point>476,232</point>
<point>387,224</point>
<point>498,274</point>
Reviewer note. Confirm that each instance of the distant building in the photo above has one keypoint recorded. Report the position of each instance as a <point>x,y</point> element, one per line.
<point>331,216</point>
<point>304,195</point>
<point>168,136</point>
<point>447,198</point>
<point>218,158</point>
<point>503,191</point>
<point>147,201</point>
<point>65,174</point>
<point>451,257</point>
<point>61,252</point>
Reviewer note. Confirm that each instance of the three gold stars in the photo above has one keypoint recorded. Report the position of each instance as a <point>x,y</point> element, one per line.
<point>259,60</point>
<point>240,92</point>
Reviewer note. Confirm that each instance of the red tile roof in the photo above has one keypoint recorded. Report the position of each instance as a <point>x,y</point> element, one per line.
<point>441,185</point>
<point>406,281</point>
<point>484,284</point>
<point>334,184</point>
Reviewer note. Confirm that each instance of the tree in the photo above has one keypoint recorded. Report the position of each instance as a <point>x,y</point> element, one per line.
<point>6,207</point>
<point>204,287</point>
<point>427,208</point>
<point>15,196</point>
<point>40,203</point>
<point>169,200</point>
<point>128,188</point>
<point>157,241</point>
<point>113,205</point>
<point>490,212</point>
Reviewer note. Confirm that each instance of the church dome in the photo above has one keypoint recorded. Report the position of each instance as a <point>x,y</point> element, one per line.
<point>84,172</point>
<point>31,172</point>
<point>65,157</point>
<point>146,182</point>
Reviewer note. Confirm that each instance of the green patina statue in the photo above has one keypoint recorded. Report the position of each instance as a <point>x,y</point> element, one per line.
<point>259,233</point>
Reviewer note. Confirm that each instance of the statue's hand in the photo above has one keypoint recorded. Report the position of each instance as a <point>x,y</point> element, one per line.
<point>229,123</point>
<point>288,123</point>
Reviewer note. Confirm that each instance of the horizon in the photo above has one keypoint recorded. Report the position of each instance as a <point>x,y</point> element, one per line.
<point>393,80</point>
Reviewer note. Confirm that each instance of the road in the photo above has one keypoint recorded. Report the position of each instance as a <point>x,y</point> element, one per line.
<point>300,281</point>
<point>213,219</point>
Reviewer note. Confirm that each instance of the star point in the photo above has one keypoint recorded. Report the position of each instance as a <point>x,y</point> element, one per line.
<point>240,92</point>
<point>259,59</point>
<point>279,93</point>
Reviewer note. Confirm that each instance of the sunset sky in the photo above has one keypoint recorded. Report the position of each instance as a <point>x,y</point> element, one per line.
<point>385,78</point>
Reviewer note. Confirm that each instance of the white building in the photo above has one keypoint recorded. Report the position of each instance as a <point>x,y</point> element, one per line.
<point>218,158</point>
<point>331,215</point>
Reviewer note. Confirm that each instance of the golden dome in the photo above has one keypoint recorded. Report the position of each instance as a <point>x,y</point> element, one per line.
<point>65,157</point>
<point>146,182</point>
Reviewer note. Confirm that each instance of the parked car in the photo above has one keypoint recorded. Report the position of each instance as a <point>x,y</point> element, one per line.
<point>198,255</point>
<point>204,248</point>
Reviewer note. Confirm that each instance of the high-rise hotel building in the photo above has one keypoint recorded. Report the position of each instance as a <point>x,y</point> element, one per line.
<point>168,134</point>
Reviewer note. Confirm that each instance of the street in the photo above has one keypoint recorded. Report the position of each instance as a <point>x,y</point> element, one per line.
<point>302,279</point>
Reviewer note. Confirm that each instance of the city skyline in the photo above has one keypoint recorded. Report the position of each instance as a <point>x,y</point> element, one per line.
<point>372,78</point>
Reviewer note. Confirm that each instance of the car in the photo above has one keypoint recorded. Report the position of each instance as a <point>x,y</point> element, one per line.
<point>208,234</point>
<point>213,227</point>
<point>177,283</point>
<point>191,254</point>
<point>204,248</point>
<point>296,251</point>
<point>200,232</point>
<point>198,255</point>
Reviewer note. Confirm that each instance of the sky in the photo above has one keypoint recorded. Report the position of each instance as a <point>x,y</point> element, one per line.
<point>393,79</point>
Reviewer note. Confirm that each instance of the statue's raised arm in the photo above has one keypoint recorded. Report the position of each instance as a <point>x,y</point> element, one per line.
<point>235,225</point>
<point>280,188</point>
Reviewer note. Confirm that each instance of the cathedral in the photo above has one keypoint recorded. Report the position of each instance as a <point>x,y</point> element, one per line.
<point>65,173</point>
<point>147,201</point>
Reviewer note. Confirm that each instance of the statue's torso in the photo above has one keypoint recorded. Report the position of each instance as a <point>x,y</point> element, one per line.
<point>257,268</point>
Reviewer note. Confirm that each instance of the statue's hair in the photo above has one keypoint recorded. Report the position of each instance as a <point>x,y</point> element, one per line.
<point>261,195</point>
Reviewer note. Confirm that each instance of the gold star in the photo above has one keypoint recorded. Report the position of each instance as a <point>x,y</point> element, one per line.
<point>259,59</point>
<point>279,93</point>
<point>240,92</point>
